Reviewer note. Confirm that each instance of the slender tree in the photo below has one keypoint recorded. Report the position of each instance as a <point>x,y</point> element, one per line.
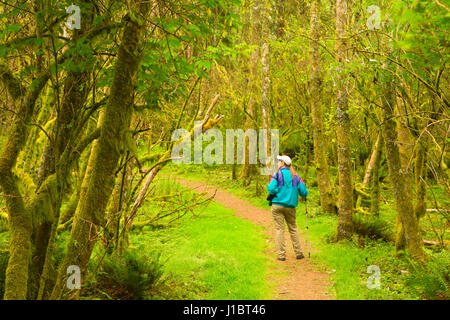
<point>266,32</point>
<point>252,114</point>
<point>345,220</point>
<point>327,201</point>
<point>398,176</point>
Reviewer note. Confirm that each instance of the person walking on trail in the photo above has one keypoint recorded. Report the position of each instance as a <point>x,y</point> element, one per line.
<point>284,188</point>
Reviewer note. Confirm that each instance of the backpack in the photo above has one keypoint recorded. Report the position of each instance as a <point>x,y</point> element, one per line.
<point>280,179</point>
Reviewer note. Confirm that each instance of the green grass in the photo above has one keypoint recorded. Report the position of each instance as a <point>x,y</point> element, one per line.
<point>213,255</point>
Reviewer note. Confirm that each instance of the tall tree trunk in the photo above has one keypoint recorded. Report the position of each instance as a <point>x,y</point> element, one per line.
<point>91,207</point>
<point>250,121</point>
<point>327,201</point>
<point>265,86</point>
<point>398,176</point>
<point>420,205</point>
<point>405,148</point>
<point>345,220</point>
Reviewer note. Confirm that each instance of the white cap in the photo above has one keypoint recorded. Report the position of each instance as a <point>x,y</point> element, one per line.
<point>285,159</point>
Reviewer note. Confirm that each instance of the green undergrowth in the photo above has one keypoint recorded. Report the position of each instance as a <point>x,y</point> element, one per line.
<point>132,274</point>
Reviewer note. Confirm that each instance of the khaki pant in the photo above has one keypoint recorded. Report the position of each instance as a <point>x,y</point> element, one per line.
<point>280,214</point>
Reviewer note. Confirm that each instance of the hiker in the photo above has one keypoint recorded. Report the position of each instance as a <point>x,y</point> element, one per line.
<point>284,188</point>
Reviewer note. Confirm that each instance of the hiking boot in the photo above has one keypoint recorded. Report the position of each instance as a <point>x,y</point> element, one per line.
<point>300,256</point>
<point>282,259</point>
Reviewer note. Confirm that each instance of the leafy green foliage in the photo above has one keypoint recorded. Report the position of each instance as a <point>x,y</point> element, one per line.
<point>372,227</point>
<point>431,280</point>
<point>131,274</point>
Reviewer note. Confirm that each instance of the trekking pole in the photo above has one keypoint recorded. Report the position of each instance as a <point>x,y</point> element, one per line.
<point>307,235</point>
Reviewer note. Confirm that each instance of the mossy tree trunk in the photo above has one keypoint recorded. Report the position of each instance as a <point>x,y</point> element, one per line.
<point>90,212</point>
<point>405,148</point>
<point>19,217</point>
<point>398,176</point>
<point>420,204</point>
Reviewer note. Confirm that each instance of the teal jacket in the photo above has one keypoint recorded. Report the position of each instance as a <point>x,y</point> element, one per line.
<point>288,190</point>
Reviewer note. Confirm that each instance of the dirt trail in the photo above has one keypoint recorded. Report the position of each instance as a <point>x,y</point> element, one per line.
<point>304,281</point>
